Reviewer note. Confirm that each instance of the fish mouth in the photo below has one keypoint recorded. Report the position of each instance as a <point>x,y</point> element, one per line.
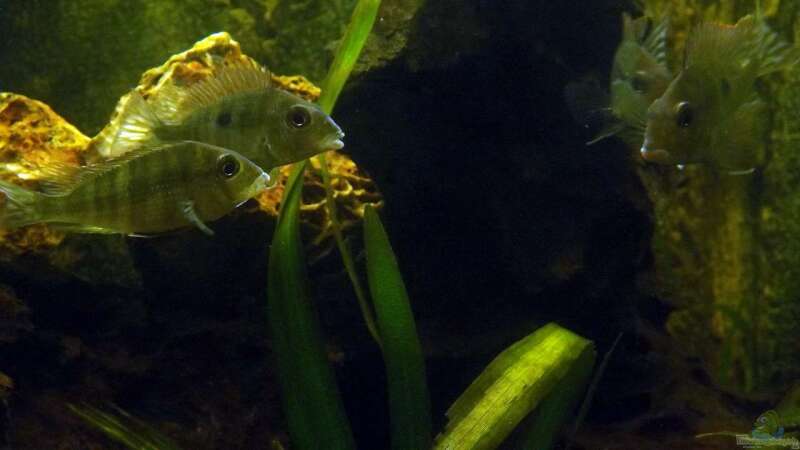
<point>334,143</point>
<point>656,156</point>
<point>261,184</point>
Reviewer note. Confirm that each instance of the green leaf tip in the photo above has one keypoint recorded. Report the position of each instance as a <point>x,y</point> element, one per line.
<point>513,385</point>
<point>409,401</point>
<point>353,41</point>
<point>312,404</point>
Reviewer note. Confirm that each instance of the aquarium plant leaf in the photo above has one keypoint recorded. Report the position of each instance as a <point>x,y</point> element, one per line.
<point>311,399</point>
<point>124,428</point>
<point>514,384</point>
<point>350,47</point>
<point>540,429</point>
<point>409,402</point>
<point>587,399</point>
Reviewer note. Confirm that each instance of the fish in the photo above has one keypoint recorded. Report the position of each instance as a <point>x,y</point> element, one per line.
<point>146,192</point>
<point>711,113</point>
<point>236,107</point>
<point>767,425</point>
<point>639,75</point>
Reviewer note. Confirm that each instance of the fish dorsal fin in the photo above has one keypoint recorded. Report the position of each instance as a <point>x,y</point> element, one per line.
<point>652,38</point>
<point>719,48</point>
<point>60,178</point>
<point>655,42</point>
<point>132,128</point>
<point>175,103</point>
<point>773,52</point>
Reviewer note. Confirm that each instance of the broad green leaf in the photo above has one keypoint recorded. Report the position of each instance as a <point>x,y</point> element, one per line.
<point>547,421</point>
<point>312,404</point>
<point>515,383</point>
<point>405,368</point>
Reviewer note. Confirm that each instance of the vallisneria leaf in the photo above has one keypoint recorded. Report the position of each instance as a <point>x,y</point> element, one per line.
<point>513,385</point>
<point>350,47</point>
<point>124,428</point>
<point>353,41</point>
<point>311,399</point>
<point>409,403</point>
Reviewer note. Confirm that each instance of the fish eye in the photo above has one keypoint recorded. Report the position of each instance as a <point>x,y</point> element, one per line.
<point>224,119</point>
<point>228,166</point>
<point>685,114</point>
<point>298,116</point>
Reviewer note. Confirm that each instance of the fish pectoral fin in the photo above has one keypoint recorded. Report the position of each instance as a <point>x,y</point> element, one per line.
<point>187,209</point>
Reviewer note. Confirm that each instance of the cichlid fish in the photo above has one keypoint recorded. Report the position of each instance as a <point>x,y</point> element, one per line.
<point>236,108</point>
<point>639,75</point>
<point>711,113</point>
<point>148,191</point>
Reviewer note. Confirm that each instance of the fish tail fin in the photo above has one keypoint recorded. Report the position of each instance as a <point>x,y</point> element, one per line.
<point>132,128</point>
<point>20,208</point>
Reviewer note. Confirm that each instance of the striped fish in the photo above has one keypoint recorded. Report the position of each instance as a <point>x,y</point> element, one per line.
<point>147,192</point>
<point>236,108</point>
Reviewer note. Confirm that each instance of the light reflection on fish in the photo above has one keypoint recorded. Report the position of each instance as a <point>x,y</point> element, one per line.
<point>711,113</point>
<point>147,191</point>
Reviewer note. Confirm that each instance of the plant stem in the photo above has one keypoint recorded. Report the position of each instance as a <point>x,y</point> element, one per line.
<point>353,41</point>
<point>347,257</point>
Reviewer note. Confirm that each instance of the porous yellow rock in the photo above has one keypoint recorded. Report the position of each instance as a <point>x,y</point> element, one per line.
<point>32,136</point>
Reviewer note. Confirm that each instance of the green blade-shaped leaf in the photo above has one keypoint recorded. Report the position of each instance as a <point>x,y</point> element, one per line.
<point>353,41</point>
<point>405,368</point>
<point>312,404</point>
<point>514,384</point>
